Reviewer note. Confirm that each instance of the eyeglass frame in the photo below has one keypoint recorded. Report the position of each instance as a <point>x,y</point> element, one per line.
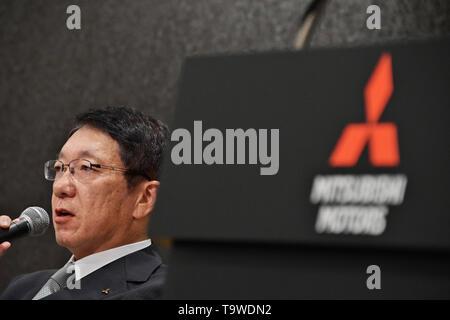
<point>95,165</point>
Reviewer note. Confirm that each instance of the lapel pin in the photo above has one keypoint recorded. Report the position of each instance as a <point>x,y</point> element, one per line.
<point>106,291</point>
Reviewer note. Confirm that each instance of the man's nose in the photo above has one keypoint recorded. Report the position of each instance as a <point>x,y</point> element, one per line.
<point>64,186</point>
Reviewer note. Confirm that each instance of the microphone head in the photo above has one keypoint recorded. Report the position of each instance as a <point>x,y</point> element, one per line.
<point>37,219</point>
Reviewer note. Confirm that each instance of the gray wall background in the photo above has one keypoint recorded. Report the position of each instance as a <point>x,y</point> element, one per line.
<point>130,52</point>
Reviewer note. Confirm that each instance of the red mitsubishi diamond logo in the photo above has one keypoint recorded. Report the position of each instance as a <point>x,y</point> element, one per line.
<point>381,137</point>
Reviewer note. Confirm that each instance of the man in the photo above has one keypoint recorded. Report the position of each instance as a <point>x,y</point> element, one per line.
<point>104,189</point>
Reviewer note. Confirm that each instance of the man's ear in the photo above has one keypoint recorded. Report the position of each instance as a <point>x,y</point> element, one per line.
<point>146,199</point>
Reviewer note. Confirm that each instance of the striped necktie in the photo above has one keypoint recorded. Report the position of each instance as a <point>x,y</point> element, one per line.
<point>56,282</point>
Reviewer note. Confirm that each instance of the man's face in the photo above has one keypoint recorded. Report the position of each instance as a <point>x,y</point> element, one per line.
<point>101,207</point>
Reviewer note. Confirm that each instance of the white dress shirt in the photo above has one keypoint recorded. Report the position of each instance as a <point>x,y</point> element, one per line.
<point>95,261</point>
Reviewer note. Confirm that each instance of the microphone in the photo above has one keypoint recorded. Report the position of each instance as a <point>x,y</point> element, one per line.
<point>32,221</point>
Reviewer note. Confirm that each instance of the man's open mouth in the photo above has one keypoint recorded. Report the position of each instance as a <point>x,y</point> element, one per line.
<point>63,213</point>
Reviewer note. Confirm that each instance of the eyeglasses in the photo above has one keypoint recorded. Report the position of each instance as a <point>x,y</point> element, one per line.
<point>81,169</point>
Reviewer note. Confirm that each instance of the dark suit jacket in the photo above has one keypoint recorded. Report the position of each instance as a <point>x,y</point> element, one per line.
<point>139,275</point>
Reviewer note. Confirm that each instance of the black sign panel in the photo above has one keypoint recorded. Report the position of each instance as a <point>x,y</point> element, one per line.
<point>362,139</point>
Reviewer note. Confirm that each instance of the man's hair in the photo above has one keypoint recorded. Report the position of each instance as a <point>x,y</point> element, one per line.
<point>141,138</point>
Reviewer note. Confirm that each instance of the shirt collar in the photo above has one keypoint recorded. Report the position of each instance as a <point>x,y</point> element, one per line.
<point>95,261</point>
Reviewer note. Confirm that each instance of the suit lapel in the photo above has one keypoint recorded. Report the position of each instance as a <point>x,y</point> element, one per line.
<point>43,278</point>
<point>140,265</point>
